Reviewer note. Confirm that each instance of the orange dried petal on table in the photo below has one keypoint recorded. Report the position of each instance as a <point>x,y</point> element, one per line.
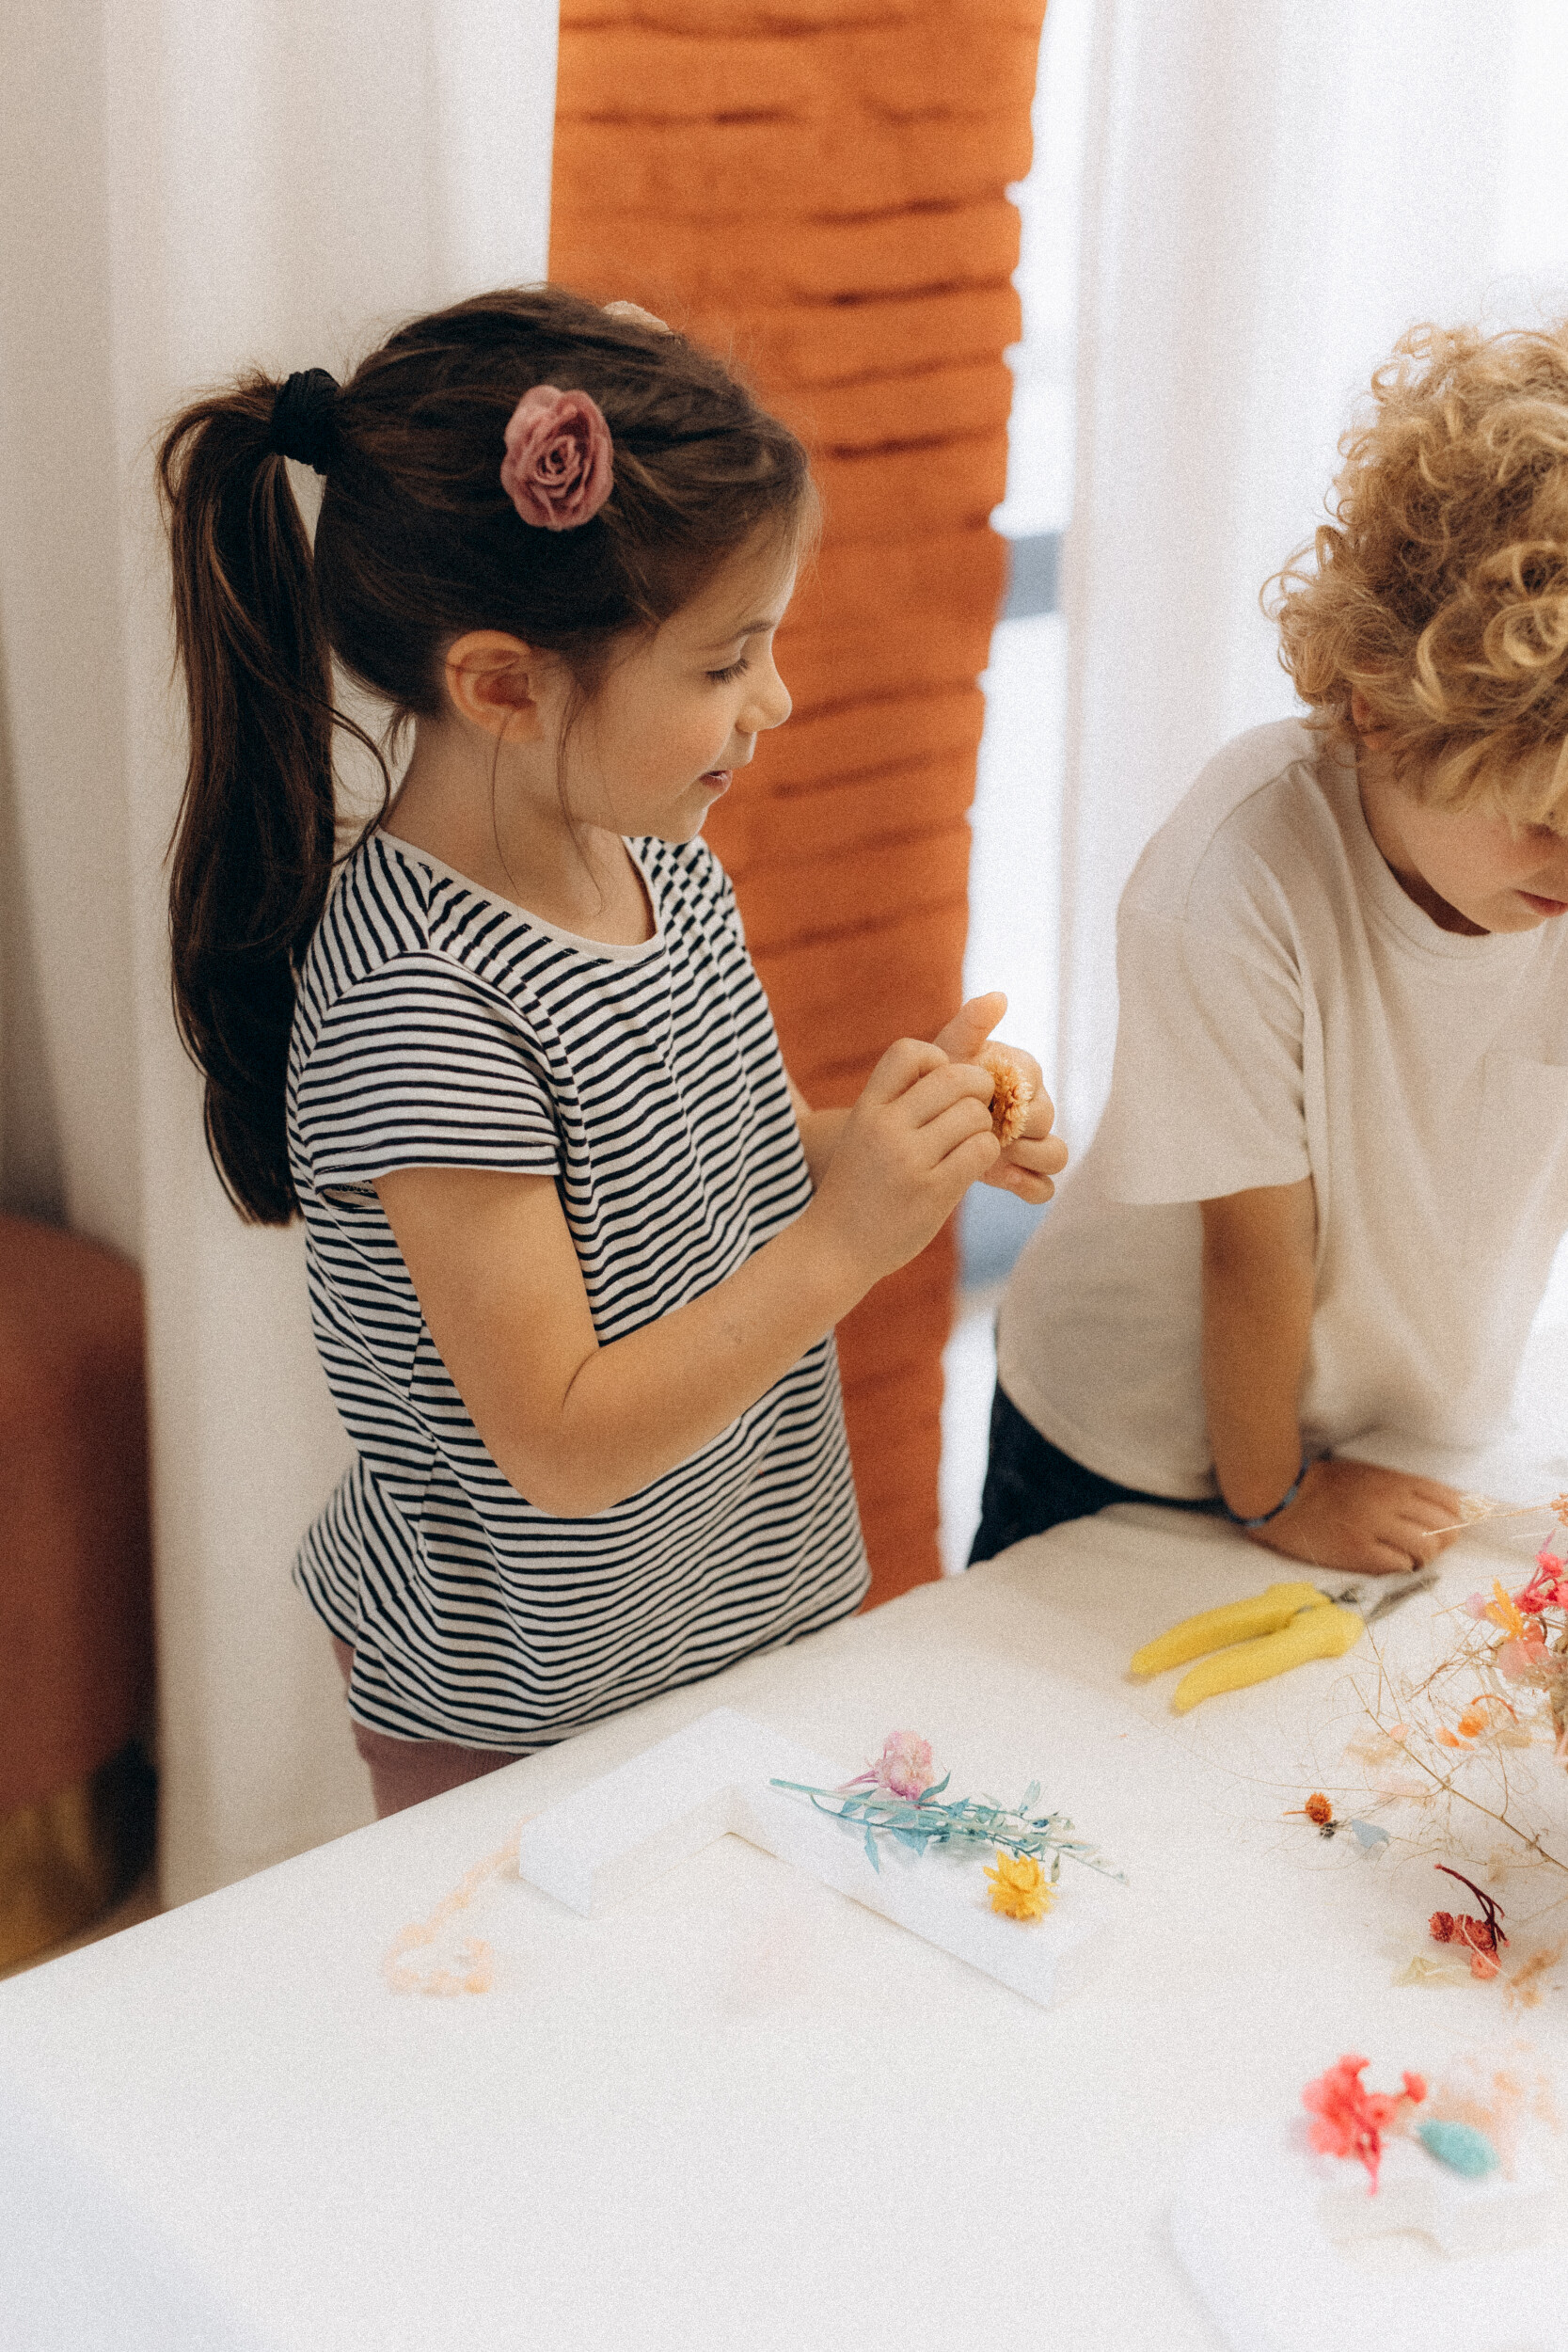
<point>467,1964</point>
<point>1012,1091</point>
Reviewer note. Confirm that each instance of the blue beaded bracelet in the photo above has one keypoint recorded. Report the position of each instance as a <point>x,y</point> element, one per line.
<point>1283,1504</point>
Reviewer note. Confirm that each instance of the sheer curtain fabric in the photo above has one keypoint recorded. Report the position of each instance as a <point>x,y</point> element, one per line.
<point>188,189</point>
<point>1273,194</point>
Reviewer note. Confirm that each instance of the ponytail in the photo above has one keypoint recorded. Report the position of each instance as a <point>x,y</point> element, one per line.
<point>255,838</point>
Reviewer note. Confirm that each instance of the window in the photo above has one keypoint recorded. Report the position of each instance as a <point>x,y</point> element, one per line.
<point>1014,865</point>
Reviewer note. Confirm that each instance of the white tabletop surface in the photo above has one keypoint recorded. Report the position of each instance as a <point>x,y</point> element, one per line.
<point>741,2111</point>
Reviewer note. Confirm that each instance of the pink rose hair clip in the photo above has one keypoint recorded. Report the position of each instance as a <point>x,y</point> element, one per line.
<point>559,468</point>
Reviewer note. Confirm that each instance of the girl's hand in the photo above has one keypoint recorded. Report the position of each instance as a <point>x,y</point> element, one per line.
<point>1028,1165</point>
<point>915,1142</point>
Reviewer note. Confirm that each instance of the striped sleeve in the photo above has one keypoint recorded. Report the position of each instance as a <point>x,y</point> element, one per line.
<point>416,1064</point>
<point>727,903</point>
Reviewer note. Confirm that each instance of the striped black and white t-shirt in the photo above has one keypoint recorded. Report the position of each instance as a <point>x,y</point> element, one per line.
<point>439,1027</point>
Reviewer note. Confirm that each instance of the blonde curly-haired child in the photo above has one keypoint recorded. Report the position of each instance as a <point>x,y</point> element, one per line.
<point>1322,1203</point>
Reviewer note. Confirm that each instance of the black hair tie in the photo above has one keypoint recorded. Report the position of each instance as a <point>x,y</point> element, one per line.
<point>302,419</point>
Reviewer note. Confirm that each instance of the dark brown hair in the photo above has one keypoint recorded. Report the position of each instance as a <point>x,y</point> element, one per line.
<point>416,543</point>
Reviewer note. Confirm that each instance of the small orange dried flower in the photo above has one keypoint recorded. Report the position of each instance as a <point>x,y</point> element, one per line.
<point>1012,1091</point>
<point>1317,1808</point>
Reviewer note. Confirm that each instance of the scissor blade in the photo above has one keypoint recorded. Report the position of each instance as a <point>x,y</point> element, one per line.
<point>1422,1581</point>
<point>1372,1595</point>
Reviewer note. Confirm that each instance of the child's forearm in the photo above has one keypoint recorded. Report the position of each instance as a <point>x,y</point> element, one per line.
<point>819,1132</point>
<point>1258,1293</point>
<point>577,1426</point>
<point>637,1407</point>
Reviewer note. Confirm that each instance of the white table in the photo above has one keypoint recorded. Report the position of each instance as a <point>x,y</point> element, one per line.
<point>741,2112</point>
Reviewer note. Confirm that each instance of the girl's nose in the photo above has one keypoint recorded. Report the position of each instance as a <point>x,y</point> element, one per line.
<point>770,706</point>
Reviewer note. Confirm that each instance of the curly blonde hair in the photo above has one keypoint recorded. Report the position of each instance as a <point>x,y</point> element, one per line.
<point>1440,589</point>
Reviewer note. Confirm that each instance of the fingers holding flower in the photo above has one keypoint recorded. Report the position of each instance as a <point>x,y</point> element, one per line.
<point>1021,1114</point>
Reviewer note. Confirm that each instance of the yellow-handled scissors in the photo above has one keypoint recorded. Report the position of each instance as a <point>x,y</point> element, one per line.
<point>1268,1634</point>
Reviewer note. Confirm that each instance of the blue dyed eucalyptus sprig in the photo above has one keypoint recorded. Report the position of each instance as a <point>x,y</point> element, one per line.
<point>925,1819</point>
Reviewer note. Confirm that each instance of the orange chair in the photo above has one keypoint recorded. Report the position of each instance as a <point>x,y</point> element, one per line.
<point>75,1600</point>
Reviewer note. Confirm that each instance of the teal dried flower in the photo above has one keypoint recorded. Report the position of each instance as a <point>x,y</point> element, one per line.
<point>925,1821</point>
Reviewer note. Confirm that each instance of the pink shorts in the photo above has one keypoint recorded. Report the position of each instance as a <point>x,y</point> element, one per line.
<point>405,1771</point>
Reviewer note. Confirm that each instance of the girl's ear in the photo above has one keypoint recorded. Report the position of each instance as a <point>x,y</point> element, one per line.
<point>493,682</point>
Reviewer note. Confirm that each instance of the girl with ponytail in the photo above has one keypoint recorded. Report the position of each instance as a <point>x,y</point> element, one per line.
<point>576,1245</point>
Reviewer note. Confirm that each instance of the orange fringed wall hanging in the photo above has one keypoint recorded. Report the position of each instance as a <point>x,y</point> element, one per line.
<point>827,202</point>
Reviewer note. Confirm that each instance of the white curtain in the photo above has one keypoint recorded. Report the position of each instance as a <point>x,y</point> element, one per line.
<point>188,185</point>
<point>1273,194</point>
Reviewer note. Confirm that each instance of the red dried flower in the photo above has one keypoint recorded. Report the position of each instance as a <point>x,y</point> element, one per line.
<point>1483,1934</point>
<point>1441,1925</point>
<point>1352,2119</point>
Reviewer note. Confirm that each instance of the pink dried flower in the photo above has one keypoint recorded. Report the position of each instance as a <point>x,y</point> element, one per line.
<point>1518,1660</point>
<point>904,1768</point>
<point>558,470</point>
<point>1546,1589</point>
<point>1477,1605</point>
<point>1350,2120</point>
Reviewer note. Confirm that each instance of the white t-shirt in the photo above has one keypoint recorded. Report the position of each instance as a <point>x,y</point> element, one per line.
<point>1287,1011</point>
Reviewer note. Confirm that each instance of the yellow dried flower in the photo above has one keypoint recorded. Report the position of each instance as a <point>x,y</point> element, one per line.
<point>1019,1887</point>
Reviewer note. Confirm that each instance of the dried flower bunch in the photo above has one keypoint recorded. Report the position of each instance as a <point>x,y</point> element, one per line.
<point>894,1797</point>
<point>1533,1652</point>
<point>1501,1687</point>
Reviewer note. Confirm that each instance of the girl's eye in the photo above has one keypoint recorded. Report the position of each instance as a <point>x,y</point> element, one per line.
<point>737,669</point>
